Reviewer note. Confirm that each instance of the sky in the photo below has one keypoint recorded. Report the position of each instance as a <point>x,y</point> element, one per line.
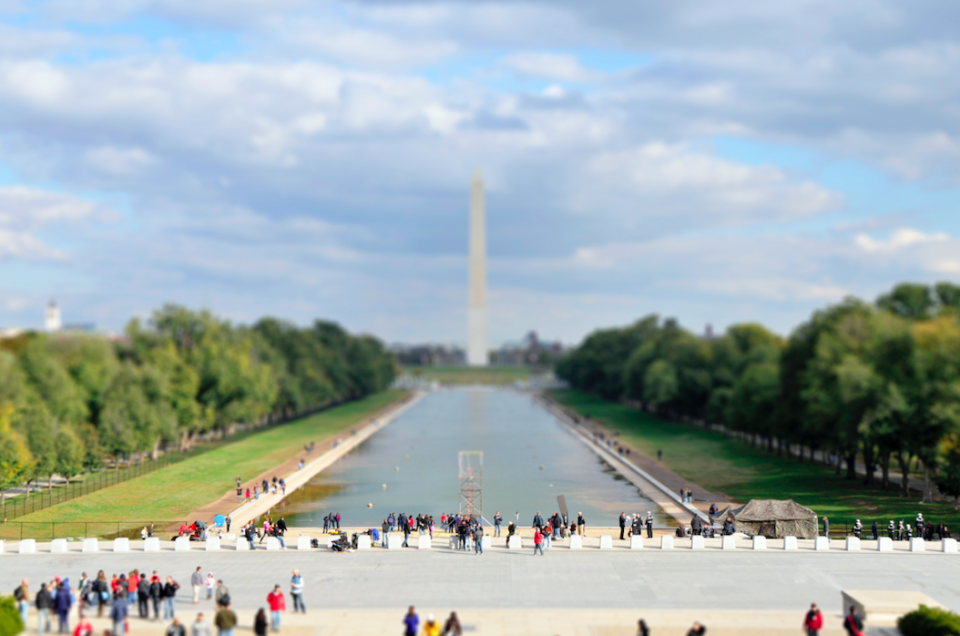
<point>714,162</point>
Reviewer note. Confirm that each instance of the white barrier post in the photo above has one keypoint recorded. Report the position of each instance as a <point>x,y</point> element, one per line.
<point>423,542</point>
<point>181,544</point>
<point>28,546</point>
<point>696,542</point>
<point>759,542</point>
<point>853,544</point>
<point>916,545</point>
<point>728,542</point>
<point>821,544</point>
<point>485,542</point>
<point>790,543</point>
<point>58,546</point>
<point>213,544</point>
<point>885,544</point>
<point>303,542</point>
<point>90,545</point>
<point>394,541</point>
<point>636,542</point>
<point>121,544</point>
<point>576,542</point>
<point>1,547</point>
<point>606,542</point>
<point>243,545</point>
<point>364,542</point>
<point>273,543</point>
<point>666,542</point>
<point>514,542</point>
<point>948,546</point>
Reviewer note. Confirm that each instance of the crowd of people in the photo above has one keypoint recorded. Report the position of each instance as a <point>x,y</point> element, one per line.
<point>256,535</point>
<point>138,595</point>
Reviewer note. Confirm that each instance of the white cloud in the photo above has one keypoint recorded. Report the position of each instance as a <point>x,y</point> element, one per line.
<point>552,66</point>
<point>25,211</point>
<point>899,240</point>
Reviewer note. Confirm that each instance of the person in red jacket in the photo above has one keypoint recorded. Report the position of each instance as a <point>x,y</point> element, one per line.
<point>813,622</point>
<point>537,542</point>
<point>277,604</point>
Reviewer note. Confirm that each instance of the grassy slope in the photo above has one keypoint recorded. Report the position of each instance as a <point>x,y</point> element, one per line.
<point>722,464</point>
<point>472,375</point>
<point>172,492</point>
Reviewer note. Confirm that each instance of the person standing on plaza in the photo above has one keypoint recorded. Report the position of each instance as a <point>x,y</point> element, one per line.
<point>478,539</point>
<point>156,594</point>
<point>225,620</point>
<point>200,627</point>
<point>143,597</point>
<point>83,628</point>
<point>337,519</point>
<point>581,524</point>
<point>537,520</point>
<point>826,527</point>
<point>852,623</point>
<point>431,627</point>
<point>697,629</point>
<point>537,542</point>
<point>170,598</point>
<point>44,603</point>
<point>21,595</point>
<point>649,524</point>
<point>196,580</point>
<point>623,524</point>
<point>118,613</point>
<point>260,623</point>
<point>222,594</point>
<point>405,521</point>
<point>497,522</point>
<point>278,604</point>
<point>210,582</point>
<point>410,622</point>
<point>175,629</point>
<point>64,602</point>
<point>296,592</point>
<point>813,622</point>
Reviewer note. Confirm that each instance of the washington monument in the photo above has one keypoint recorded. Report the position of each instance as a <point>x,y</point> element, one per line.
<point>477,318</point>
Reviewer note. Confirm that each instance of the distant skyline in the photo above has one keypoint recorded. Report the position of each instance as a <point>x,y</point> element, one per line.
<point>715,163</point>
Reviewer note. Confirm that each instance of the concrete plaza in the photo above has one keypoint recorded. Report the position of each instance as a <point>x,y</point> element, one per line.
<point>600,592</point>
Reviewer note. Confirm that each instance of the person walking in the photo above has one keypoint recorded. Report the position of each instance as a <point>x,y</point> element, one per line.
<point>260,623</point>
<point>210,582</point>
<point>196,580</point>
<point>431,627</point>
<point>44,603</point>
<point>64,602</point>
<point>537,542</point>
<point>278,604</point>
<point>410,622</point>
<point>118,613</point>
<point>452,626</point>
<point>296,592</point>
<point>623,524</point>
<point>156,595</point>
<point>200,627</point>
<point>852,623</point>
<point>21,595</point>
<point>143,597</point>
<point>497,522</point>
<point>175,629</point>
<point>170,598</point>
<point>826,527</point>
<point>478,539</point>
<point>225,620</point>
<point>813,622</point>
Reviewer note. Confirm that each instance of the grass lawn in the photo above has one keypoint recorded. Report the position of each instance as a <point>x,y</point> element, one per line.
<point>725,465</point>
<point>472,375</point>
<point>172,492</point>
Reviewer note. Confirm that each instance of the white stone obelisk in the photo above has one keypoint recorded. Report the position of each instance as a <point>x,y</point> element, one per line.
<point>477,354</point>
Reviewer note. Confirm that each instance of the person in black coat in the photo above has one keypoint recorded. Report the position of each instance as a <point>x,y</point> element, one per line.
<point>852,622</point>
<point>623,524</point>
<point>537,521</point>
<point>649,525</point>
<point>826,527</point>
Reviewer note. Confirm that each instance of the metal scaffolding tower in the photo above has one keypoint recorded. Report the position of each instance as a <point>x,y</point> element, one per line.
<point>471,483</point>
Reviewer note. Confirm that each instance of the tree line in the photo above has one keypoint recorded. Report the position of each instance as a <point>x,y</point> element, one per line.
<point>877,382</point>
<point>68,402</point>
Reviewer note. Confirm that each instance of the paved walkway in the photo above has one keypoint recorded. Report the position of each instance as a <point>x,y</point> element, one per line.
<point>564,592</point>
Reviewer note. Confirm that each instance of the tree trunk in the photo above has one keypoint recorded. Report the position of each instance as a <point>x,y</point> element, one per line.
<point>50,484</point>
<point>885,468</point>
<point>839,466</point>
<point>927,486</point>
<point>851,466</point>
<point>868,460</point>
<point>905,472</point>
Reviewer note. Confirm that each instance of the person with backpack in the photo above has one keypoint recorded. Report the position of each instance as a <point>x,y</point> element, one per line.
<point>118,614</point>
<point>852,623</point>
<point>278,604</point>
<point>21,595</point>
<point>813,622</point>
<point>222,595</point>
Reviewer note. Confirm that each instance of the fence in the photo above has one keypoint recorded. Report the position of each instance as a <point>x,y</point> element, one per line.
<point>91,482</point>
<point>43,531</point>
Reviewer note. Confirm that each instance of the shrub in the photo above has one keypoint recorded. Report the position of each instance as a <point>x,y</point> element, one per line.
<point>10,622</point>
<point>929,621</point>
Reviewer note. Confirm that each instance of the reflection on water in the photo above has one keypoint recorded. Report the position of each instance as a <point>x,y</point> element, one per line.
<point>529,459</point>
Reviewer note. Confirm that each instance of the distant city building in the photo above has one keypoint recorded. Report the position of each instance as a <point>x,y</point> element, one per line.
<point>708,332</point>
<point>530,350</point>
<point>428,355</point>
<point>52,319</point>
